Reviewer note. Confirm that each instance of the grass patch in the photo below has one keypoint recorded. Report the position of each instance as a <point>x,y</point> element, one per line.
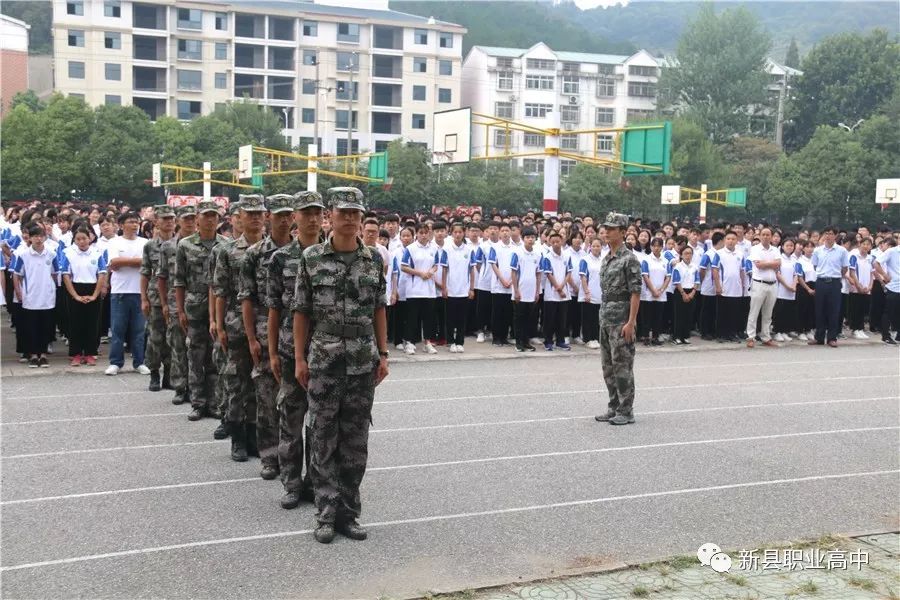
<point>862,583</point>
<point>807,587</point>
<point>640,592</point>
<point>739,580</point>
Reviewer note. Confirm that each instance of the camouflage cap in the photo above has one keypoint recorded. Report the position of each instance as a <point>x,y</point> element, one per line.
<point>345,198</point>
<point>186,211</point>
<point>279,203</point>
<point>615,219</point>
<point>205,206</point>
<point>252,202</point>
<point>234,207</point>
<point>308,199</point>
<point>164,210</point>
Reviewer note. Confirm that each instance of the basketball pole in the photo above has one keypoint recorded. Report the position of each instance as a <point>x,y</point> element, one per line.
<point>312,165</point>
<point>551,166</point>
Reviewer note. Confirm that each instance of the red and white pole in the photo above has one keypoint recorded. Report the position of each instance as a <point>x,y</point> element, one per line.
<point>551,168</point>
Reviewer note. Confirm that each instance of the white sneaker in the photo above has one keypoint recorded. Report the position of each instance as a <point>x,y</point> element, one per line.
<point>802,337</point>
<point>430,349</point>
<point>859,335</point>
<point>409,348</point>
<point>538,341</point>
<point>460,349</point>
<point>787,337</point>
<point>864,335</point>
<point>452,348</point>
<point>143,369</point>
<point>111,370</point>
<point>779,337</point>
<point>401,347</point>
<point>480,337</point>
<point>49,348</point>
<point>593,344</point>
<point>579,341</point>
<point>567,340</point>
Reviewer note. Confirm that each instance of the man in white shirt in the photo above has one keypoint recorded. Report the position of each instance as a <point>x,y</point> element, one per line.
<point>728,278</point>
<point>766,260</point>
<point>500,262</point>
<point>124,258</point>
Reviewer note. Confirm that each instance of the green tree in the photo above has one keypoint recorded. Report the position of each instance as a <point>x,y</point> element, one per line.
<point>749,161</point>
<point>29,99</point>
<point>256,124</point>
<point>792,58</point>
<point>409,165</point>
<point>845,78</point>
<point>589,190</point>
<point>18,177</point>
<point>120,152</point>
<point>720,70</point>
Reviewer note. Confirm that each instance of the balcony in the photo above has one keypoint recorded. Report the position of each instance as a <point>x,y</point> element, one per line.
<point>249,57</point>
<point>281,28</point>
<point>148,79</point>
<point>149,16</point>
<point>281,88</point>
<point>387,66</point>
<point>281,59</point>
<point>249,86</point>
<point>148,48</point>
<point>249,26</point>
<point>154,107</point>
<point>386,123</point>
<point>385,94</point>
<point>389,38</point>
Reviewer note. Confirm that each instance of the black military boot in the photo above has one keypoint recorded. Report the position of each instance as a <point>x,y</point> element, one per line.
<point>269,471</point>
<point>324,533</point>
<point>238,443</point>
<point>223,430</point>
<point>353,530</point>
<point>250,433</point>
<point>291,499</point>
<point>166,381</point>
<point>180,397</point>
<point>197,413</point>
<point>154,381</point>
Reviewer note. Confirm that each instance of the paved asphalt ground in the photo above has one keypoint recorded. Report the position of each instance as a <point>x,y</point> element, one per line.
<point>481,472</point>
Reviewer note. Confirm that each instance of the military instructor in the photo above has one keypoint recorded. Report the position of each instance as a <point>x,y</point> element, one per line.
<point>620,282</point>
<point>339,308</point>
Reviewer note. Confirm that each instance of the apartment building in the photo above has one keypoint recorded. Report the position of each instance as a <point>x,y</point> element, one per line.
<point>13,60</point>
<point>588,90</point>
<point>184,58</point>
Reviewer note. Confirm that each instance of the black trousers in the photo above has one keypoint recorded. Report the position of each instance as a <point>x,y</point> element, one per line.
<point>574,318</point>
<point>858,308</point>
<point>471,315</point>
<point>419,319</point>
<point>457,315</point>
<point>683,316</point>
<point>784,316</point>
<point>707,315</point>
<point>482,310</point>
<point>38,327</point>
<point>828,309</point>
<point>653,315</point>
<point>105,318</point>
<point>876,306</point>
<point>61,312</point>
<point>890,318</point>
<point>729,317</point>
<point>15,313</point>
<point>398,321</point>
<point>84,320</point>
<point>440,318</point>
<point>526,322</point>
<point>669,313</point>
<point>806,308</point>
<point>501,317</point>
<point>555,321</point>
<point>590,322</point>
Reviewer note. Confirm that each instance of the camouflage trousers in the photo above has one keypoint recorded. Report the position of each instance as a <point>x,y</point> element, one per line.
<point>178,365</point>
<point>220,360</point>
<point>340,412</point>
<point>240,397</point>
<point>201,373</point>
<point>266,412</point>
<point>293,446</point>
<point>158,353</point>
<point>618,368</point>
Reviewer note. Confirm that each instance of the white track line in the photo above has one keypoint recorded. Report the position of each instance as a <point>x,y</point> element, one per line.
<point>117,448</point>
<point>469,461</point>
<point>91,395</point>
<point>106,418</point>
<point>448,517</point>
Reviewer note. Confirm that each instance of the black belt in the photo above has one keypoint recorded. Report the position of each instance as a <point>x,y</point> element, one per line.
<point>765,282</point>
<point>828,279</point>
<point>616,298</point>
<point>344,331</point>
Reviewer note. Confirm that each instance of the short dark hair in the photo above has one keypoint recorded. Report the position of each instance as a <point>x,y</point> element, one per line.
<point>830,228</point>
<point>717,237</point>
<point>129,215</point>
<point>554,234</point>
<point>35,229</point>
<point>731,232</point>
<point>383,233</point>
<point>423,226</point>
<point>440,224</point>
<point>392,218</point>
<point>529,231</point>
<point>371,221</point>
<point>459,224</point>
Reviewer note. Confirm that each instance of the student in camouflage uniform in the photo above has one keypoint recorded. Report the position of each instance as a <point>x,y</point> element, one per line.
<point>339,308</point>
<point>157,354</point>
<point>620,280</point>
<point>175,335</point>
<point>192,298</point>
<point>254,308</point>
<point>240,397</point>
<point>293,446</point>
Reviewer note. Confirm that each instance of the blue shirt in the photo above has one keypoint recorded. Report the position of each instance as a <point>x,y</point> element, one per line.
<point>829,262</point>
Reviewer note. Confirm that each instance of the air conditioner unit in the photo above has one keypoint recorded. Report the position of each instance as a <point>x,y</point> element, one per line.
<point>569,126</point>
<point>573,100</point>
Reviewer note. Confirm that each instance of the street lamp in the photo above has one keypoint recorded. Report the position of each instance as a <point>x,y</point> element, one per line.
<point>851,129</point>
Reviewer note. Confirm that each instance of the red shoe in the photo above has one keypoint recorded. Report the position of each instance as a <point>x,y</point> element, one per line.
<point>441,342</point>
<point>76,361</point>
<point>90,361</point>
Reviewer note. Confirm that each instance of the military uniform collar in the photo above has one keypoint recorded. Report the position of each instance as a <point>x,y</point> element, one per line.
<point>361,249</point>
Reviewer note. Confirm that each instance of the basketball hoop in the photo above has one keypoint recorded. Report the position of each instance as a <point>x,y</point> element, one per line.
<point>388,182</point>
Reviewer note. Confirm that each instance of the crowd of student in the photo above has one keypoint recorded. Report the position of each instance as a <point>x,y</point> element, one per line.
<point>522,281</point>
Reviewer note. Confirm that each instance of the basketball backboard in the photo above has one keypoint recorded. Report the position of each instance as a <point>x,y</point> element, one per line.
<point>245,162</point>
<point>452,141</point>
<point>886,191</point>
<point>671,194</point>
<point>157,174</point>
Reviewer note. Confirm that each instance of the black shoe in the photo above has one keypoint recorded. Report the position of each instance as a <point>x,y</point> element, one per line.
<point>605,416</point>
<point>290,500</point>
<point>621,419</point>
<point>238,443</point>
<point>530,348</point>
<point>655,342</point>
<point>166,382</point>
<point>269,472</point>
<point>196,414</point>
<point>353,530</point>
<point>250,437</point>
<point>307,494</point>
<point>180,397</point>
<point>42,363</point>
<point>520,348</point>
<point>222,431</point>
<point>707,338</point>
<point>154,381</point>
<point>889,341</point>
<point>33,362</point>
<point>324,533</point>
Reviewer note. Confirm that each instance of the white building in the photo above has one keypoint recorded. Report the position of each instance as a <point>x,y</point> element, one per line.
<point>184,57</point>
<point>588,90</point>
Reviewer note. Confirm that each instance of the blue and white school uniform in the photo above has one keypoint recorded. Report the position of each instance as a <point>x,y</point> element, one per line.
<point>687,275</point>
<point>84,270</point>
<point>37,273</point>
<point>785,317</point>
<point>656,269</point>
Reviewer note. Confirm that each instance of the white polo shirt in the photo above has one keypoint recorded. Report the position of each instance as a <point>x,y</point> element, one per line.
<point>419,258</point>
<point>890,262</point>
<point>526,265</point>
<point>757,252</point>
<point>485,274</point>
<point>730,265</point>
<point>459,261</point>
<point>402,278</point>
<point>657,269</point>
<point>589,268</point>
<point>501,255</point>
<point>83,267</point>
<point>125,280</point>
<point>559,266</point>
<point>38,285</point>
<point>789,266</point>
<point>707,285</point>
<point>687,275</point>
<point>862,268</point>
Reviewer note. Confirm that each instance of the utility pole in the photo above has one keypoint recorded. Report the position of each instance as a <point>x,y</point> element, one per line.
<point>350,109</point>
<point>316,125</point>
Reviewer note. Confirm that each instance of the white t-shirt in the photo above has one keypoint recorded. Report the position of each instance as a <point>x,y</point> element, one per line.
<point>402,278</point>
<point>83,267</point>
<point>687,275</point>
<point>657,269</point>
<point>575,257</point>
<point>589,267</point>
<point>559,266</point>
<point>707,285</point>
<point>789,271</point>
<point>862,268</point>
<point>126,280</point>
<point>485,274</point>
<point>458,261</point>
<point>420,258</point>
<point>527,264</point>
<point>501,255</point>
<point>809,271</point>
<point>730,265</point>
<point>890,262</point>
<point>757,252</point>
<point>38,282</point>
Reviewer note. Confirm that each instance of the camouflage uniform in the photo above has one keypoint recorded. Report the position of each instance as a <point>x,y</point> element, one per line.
<point>340,301</point>
<point>191,272</point>
<point>620,277</point>
<point>177,369</point>
<point>157,353</point>
<point>219,356</point>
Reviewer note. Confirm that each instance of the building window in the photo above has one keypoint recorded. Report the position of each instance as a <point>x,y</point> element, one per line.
<point>309,57</point>
<point>343,90</point>
<point>605,116</point>
<point>347,62</point>
<point>113,71</point>
<point>568,142</point>
<point>221,21</point>
<point>221,51</point>
<point>537,110</point>
<point>190,49</point>
<point>502,138</point>
<point>75,7</point>
<point>308,115</point>
<point>504,110</point>
<point>342,146</point>
<point>221,81</point>
<point>445,67</point>
<point>533,166</point>
<point>505,80</point>
<point>504,63</point>
<point>634,114</point>
<point>606,88</point>
<point>190,18</point>
<point>420,37</point>
<point>78,96</point>
<point>642,71</point>
<point>189,80</point>
<point>642,89</point>
<point>112,40</point>
<point>188,109</point>
<point>445,95</point>
<point>420,64</point>
<point>539,82</point>
<point>534,139</point>
<point>570,67</point>
<point>111,100</point>
<point>340,119</point>
<point>571,84</point>
<point>381,145</point>
<point>76,69</point>
<point>76,38</point>
<point>348,32</point>
<point>569,114</point>
<point>566,167</point>
<point>419,93</point>
<point>605,69</point>
<point>308,87</point>
<point>418,121</point>
<point>112,8</point>
<point>605,144</point>
<point>310,28</point>
<point>445,40</point>
<point>540,64</point>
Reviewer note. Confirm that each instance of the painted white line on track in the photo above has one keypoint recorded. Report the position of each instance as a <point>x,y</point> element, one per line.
<point>106,418</point>
<point>466,462</point>
<point>117,448</point>
<point>449,517</point>
<point>91,395</point>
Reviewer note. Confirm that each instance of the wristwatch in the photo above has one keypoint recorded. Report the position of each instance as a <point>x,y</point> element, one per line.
<point>383,353</point>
